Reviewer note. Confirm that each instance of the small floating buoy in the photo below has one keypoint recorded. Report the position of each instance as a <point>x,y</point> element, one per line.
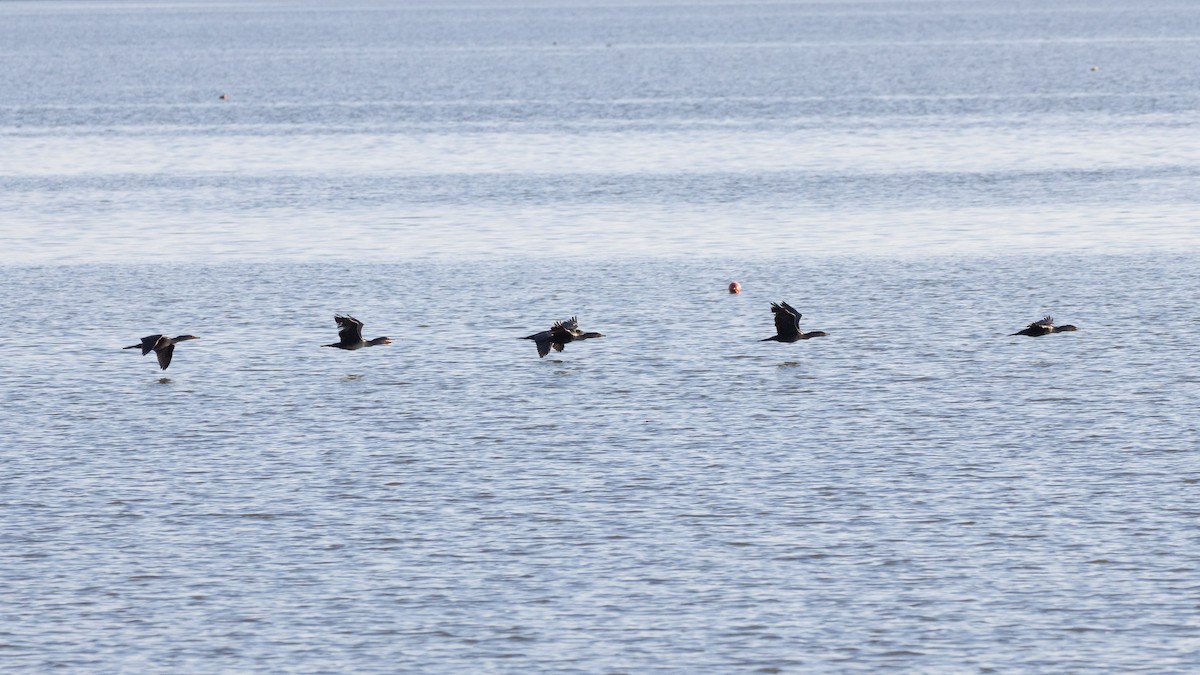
<point>735,287</point>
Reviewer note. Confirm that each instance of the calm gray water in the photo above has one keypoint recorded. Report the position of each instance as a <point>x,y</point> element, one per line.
<point>918,491</point>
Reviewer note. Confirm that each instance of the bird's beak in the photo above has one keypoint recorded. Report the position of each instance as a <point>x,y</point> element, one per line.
<point>387,342</point>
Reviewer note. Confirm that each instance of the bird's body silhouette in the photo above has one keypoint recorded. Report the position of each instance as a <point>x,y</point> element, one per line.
<point>1045,327</point>
<point>162,346</point>
<point>559,335</point>
<point>350,334</point>
<point>787,325</point>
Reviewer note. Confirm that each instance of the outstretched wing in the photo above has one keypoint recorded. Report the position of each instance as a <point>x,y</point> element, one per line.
<point>148,343</point>
<point>164,356</point>
<point>787,320</point>
<point>561,333</point>
<point>1045,322</point>
<point>350,328</point>
<point>794,313</point>
<point>571,325</point>
<point>543,345</point>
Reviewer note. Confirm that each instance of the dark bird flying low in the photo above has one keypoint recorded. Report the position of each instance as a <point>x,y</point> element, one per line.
<point>787,325</point>
<point>559,335</point>
<point>350,334</point>
<point>1045,327</point>
<point>162,346</point>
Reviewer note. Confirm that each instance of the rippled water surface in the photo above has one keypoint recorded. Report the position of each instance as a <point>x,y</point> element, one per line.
<point>371,130</point>
<point>919,490</point>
